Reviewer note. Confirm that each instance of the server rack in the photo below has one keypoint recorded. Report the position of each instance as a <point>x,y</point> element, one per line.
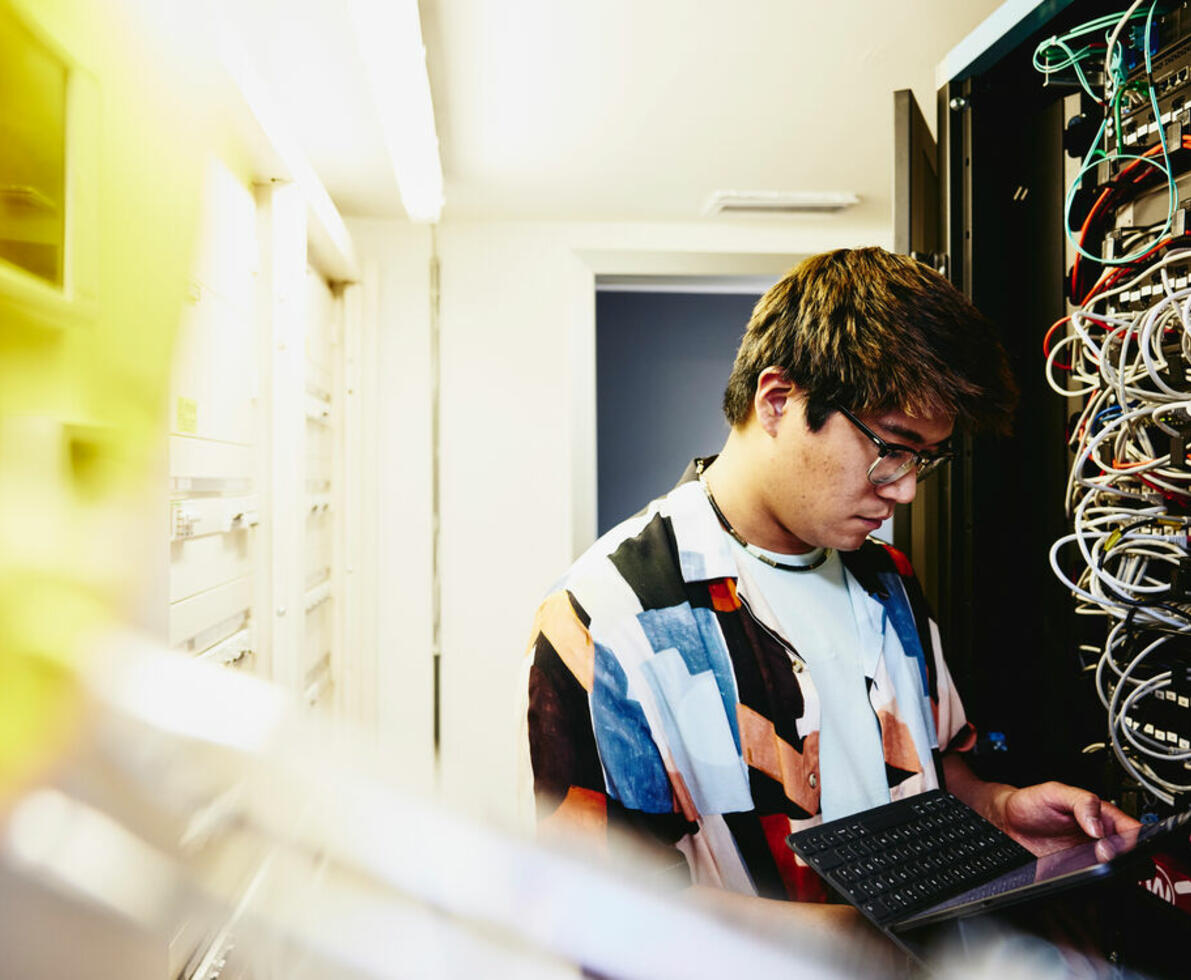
<point>986,206</point>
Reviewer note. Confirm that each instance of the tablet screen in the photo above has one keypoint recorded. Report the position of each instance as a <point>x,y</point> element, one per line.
<point>1061,869</point>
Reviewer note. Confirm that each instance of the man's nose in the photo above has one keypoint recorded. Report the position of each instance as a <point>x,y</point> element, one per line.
<point>901,490</point>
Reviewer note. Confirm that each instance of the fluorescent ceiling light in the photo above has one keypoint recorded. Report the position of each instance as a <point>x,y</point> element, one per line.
<point>389,35</point>
<point>778,202</point>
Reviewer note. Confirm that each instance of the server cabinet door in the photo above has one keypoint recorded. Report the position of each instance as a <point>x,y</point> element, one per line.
<point>915,180</point>
<point>921,529</point>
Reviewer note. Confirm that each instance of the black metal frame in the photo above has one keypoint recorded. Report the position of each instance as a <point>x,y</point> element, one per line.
<point>1008,625</point>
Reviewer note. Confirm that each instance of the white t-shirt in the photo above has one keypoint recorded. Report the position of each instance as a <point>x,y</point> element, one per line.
<point>815,612</point>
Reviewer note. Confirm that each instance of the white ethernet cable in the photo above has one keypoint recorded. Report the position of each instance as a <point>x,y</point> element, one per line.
<point>1129,501</point>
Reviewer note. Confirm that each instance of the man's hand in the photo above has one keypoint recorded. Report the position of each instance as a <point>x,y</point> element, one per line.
<point>1044,818</point>
<point>1051,816</point>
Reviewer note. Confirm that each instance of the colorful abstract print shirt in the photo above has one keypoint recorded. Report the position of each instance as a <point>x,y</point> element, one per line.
<point>664,698</point>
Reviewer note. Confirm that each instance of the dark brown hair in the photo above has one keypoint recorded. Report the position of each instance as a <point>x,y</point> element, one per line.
<point>874,331</point>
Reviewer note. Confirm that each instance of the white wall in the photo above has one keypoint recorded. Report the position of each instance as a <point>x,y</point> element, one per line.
<point>517,321</point>
<point>515,299</point>
<point>391,510</point>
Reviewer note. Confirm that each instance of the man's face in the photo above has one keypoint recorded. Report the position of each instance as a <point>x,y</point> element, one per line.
<point>817,487</point>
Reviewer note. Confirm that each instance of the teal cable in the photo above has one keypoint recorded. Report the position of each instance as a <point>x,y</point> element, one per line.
<point>1114,66</point>
<point>1172,186</point>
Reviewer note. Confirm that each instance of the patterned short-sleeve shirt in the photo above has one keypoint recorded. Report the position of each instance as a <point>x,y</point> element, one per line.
<point>664,697</point>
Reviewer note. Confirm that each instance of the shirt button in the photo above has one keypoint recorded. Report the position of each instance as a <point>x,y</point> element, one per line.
<point>814,781</point>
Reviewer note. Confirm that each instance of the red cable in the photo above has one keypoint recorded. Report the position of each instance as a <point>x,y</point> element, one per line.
<point>1046,342</point>
<point>1106,193</point>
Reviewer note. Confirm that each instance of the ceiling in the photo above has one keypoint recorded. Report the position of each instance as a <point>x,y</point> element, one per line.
<point>618,109</point>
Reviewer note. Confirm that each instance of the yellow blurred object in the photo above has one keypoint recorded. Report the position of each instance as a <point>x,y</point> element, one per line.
<point>106,117</point>
<point>38,714</point>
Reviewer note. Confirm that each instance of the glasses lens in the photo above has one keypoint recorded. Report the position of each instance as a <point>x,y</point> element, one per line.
<point>892,466</point>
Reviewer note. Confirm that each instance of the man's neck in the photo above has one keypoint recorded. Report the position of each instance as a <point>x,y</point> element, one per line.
<point>737,480</point>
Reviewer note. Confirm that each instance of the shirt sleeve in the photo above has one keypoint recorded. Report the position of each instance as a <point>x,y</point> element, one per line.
<point>570,793</point>
<point>956,733</point>
<point>568,780</point>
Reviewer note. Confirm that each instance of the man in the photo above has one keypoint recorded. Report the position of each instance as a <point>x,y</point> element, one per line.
<point>739,660</point>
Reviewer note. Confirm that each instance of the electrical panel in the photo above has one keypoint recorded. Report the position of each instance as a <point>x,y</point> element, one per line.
<point>215,438</point>
<point>320,459</point>
<point>255,452</point>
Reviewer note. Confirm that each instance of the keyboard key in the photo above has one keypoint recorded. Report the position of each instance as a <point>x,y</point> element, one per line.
<point>826,860</point>
<point>876,908</point>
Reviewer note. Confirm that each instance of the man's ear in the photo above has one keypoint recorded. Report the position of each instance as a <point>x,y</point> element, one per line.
<point>774,398</point>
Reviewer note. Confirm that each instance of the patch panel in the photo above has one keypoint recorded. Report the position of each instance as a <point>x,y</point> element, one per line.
<point>1169,75</point>
<point>1146,294</point>
<point>1138,128</point>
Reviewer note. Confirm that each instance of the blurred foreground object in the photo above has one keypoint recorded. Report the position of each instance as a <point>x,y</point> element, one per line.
<point>204,825</point>
<point>96,222</point>
<point>196,795</point>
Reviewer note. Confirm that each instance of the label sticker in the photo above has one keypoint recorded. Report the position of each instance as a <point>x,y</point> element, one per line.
<point>187,415</point>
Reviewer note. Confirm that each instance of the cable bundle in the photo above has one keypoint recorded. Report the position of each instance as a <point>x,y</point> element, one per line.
<point>1125,352</point>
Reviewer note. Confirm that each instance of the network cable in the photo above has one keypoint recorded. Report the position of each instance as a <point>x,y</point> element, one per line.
<point>1123,350</point>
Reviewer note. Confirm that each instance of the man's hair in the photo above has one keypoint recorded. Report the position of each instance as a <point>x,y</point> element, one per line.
<point>872,331</point>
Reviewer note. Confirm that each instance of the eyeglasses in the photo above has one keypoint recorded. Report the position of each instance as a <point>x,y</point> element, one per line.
<point>894,461</point>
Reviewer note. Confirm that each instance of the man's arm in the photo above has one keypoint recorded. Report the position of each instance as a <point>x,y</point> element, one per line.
<point>1043,818</point>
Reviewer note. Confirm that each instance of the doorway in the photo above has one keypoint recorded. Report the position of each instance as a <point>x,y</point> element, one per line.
<point>664,350</point>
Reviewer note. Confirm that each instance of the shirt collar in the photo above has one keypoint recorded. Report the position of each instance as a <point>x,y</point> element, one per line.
<point>704,550</point>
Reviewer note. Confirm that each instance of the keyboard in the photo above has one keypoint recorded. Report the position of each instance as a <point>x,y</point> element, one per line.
<point>903,857</point>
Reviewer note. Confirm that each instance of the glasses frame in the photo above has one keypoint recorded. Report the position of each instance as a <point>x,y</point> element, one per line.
<point>924,462</point>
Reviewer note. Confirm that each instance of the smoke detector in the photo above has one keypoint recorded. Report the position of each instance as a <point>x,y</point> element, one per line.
<point>778,202</point>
